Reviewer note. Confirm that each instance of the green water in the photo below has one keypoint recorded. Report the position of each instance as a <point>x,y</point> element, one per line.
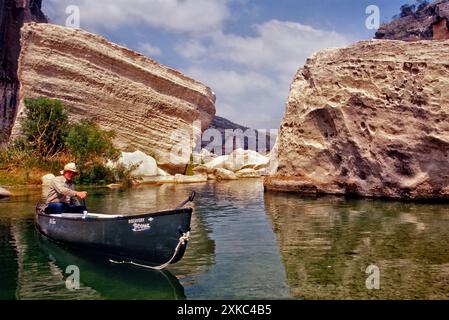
<point>246,244</point>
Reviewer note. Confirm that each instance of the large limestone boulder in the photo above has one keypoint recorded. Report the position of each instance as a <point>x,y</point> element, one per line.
<point>4,193</point>
<point>217,163</point>
<point>203,157</point>
<point>371,119</point>
<point>223,174</point>
<point>239,159</point>
<point>245,159</point>
<point>151,107</point>
<point>145,165</point>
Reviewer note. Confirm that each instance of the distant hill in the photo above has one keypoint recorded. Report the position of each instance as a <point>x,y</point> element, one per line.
<point>422,21</point>
<point>224,126</point>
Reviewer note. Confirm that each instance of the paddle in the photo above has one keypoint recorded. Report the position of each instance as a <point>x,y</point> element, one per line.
<point>189,199</point>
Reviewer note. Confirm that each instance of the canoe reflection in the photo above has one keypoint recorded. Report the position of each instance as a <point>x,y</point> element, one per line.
<point>105,280</point>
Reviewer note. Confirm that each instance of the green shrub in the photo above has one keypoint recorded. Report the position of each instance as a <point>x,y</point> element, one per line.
<point>92,147</point>
<point>123,174</point>
<point>88,143</point>
<point>189,168</point>
<point>45,126</point>
<point>49,142</point>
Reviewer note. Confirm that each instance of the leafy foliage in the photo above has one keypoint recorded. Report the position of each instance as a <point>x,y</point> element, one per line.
<point>49,141</point>
<point>88,143</point>
<point>92,147</point>
<point>45,126</point>
<point>411,9</point>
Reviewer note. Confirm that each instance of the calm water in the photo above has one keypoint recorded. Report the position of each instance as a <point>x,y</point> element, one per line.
<point>246,244</point>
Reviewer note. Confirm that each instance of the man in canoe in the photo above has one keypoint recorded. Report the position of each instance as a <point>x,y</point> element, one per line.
<point>62,197</point>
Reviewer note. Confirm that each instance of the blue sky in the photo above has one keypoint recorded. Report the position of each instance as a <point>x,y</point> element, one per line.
<point>247,51</point>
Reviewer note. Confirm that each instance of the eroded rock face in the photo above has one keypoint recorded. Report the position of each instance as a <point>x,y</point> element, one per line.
<point>151,107</point>
<point>13,14</point>
<point>370,120</point>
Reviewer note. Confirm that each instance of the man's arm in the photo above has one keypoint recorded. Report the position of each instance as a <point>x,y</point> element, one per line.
<point>60,188</point>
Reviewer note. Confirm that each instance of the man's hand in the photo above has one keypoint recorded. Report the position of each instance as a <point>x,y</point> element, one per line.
<point>82,194</point>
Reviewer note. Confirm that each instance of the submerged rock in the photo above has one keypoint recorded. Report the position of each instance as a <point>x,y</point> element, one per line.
<point>370,120</point>
<point>151,107</point>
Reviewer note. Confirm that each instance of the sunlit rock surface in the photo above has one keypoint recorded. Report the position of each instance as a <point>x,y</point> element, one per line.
<point>370,120</point>
<point>151,107</point>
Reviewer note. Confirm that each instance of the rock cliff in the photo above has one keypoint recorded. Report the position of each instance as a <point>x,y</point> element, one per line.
<point>428,21</point>
<point>369,120</point>
<point>13,14</point>
<point>147,104</point>
<point>253,140</point>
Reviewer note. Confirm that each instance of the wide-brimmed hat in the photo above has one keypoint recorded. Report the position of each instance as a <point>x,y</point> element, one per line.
<point>70,167</point>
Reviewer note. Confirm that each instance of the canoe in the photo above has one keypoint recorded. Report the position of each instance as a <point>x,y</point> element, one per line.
<point>149,239</point>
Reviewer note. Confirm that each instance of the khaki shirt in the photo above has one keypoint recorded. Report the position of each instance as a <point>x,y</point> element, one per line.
<point>61,190</point>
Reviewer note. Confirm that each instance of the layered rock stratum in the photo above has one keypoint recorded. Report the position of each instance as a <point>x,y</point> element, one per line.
<point>13,14</point>
<point>152,108</point>
<point>368,120</point>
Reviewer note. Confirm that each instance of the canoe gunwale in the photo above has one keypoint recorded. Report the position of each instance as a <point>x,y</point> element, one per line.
<point>113,218</point>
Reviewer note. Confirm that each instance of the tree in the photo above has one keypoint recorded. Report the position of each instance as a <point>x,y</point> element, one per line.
<point>407,10</point>
<point>45,126</point>
<point>90,145</point>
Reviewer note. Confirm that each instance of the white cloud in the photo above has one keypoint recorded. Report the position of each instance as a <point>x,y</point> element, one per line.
<point>278,45</point>
<point>246,97</point>
<point>252,75</point>
<point>191,16</point>
<point>148,49</point>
